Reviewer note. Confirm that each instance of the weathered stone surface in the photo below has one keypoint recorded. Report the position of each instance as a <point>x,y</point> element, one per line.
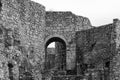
<point>82,52</point>
<point>115,63</point>
<point>96,44</point>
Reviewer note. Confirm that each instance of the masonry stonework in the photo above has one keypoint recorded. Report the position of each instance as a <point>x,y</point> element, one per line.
<point>82,51</point>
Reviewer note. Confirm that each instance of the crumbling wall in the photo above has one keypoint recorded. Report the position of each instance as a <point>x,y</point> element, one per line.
<point>82,23</point>
<point>94,48</point>
<point>25,28</point>
<point>3,67</point>
<point>22,44</point>
<point>65,24</point>
<point>115,62</point>
<point>100,39</point>
<point>32,35</point>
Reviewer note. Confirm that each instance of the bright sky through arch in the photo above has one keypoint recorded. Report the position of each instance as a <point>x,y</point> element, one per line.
<point>51,45</point>
<point>99,12</point>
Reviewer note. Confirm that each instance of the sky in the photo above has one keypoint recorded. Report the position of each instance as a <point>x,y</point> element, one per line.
<point>99,12</point>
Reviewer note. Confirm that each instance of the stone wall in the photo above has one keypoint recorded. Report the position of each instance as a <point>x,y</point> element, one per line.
<point>94,48</point>
<point>23,23</point>
<point>64,25</point>
<point>115,62</point>
<point>26,29</point>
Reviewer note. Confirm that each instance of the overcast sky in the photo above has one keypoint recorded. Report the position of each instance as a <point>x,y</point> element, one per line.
<point>99,12</point>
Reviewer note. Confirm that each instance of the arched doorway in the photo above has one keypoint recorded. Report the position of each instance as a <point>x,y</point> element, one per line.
<point>55,55</point>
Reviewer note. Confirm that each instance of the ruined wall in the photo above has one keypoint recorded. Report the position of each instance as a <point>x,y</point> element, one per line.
<point>23,23</point>
<point>97,40</point>
<point>64,25</point>
<point>115,62</point>
<point>94,48</point>
<point>25,28</point>
<point>82,23</point>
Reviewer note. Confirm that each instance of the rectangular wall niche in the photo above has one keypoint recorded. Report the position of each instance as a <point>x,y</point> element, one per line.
<point>10,68</point>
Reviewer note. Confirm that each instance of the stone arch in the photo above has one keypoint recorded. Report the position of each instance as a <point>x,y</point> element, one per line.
<point>60,52</point>
<point>56,35</point>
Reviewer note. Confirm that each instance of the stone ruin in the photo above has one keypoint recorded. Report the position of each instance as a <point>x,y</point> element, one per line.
<point>82,51</point>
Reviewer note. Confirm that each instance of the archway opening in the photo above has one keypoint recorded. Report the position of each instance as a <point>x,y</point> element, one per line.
<point>55,54</point>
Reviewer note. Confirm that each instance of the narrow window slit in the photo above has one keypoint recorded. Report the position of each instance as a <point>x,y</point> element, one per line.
<point>0,5</point>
